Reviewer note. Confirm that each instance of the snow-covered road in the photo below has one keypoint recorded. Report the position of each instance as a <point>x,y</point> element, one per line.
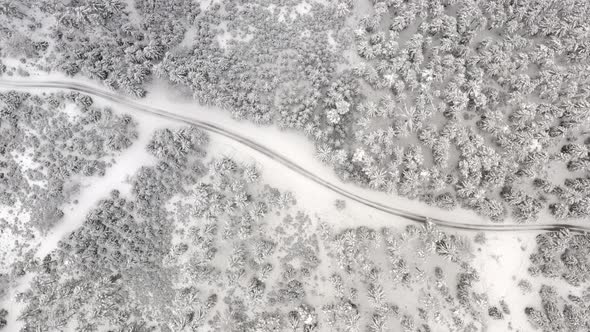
<point>263,142</point>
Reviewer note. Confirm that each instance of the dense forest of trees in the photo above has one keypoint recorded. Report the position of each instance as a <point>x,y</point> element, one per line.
<point>475,104</point>
<point>42,148</point>
<point>561,254</point>
<point>558,313</point>
<point>199,237</point>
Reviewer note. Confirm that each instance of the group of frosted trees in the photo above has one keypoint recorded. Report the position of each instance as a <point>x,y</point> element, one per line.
<point>558,314</point>
<point>561,255</point>
<point>59,147</point>
<point>49,145</point>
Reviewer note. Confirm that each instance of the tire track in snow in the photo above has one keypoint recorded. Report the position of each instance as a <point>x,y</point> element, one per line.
<point>213,128</point>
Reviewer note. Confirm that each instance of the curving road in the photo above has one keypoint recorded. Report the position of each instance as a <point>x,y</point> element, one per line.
<point>116,98</point>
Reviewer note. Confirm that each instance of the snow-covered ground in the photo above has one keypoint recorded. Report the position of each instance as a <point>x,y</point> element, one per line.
<point>502,262</point>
